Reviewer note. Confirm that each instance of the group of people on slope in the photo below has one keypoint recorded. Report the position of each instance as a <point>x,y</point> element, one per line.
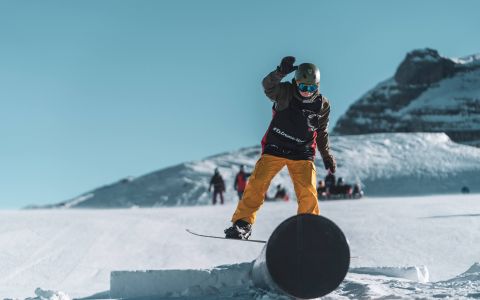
<point>218,184</point>
<point>329,188</point>
<point>239,185</point>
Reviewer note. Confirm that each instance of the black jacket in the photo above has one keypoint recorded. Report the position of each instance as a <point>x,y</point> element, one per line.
<point>299,125</point>
<point>217,182</point>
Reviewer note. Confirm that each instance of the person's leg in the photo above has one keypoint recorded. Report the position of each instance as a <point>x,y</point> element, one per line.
<point>221,198</point>
<point>214,197</point>
<point>240,195</point>
<point>303,174</point>
<point>265,169</point>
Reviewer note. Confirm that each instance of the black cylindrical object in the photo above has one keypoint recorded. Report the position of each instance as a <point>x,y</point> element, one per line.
<point>307,256</point>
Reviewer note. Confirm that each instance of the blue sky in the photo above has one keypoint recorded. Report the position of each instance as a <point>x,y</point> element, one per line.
<point>93,91</point>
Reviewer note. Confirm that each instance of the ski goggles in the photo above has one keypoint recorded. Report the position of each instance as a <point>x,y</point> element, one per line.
<point>307,87</point>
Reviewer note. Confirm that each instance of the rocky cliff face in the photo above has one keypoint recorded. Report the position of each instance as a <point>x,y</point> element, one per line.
<point>428,93</point>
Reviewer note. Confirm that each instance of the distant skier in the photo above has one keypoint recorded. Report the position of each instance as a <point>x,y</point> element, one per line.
<point>281,193</point>
<point>240,182</point>
<point>322,190</point>
<point>218,187</point>
<point>357,191</point>
<point>299,125</point>
<point>330,183</point>
<point>330,180</point>
<point>343,189</point>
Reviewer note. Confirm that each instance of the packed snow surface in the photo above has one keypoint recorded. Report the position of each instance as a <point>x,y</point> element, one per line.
<point>406,247</point>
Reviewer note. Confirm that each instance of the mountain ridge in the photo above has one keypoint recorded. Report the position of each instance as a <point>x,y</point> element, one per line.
<point>385,164</point>
<point>428,93</point>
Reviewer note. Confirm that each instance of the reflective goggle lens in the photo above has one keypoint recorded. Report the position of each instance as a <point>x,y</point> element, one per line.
<point>307,88</point>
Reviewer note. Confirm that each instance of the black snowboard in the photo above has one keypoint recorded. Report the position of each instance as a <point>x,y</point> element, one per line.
<point>224,238</point>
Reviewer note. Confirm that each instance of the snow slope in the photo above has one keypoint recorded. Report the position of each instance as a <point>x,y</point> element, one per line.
<point>389,164</point>
<point>75,251</point>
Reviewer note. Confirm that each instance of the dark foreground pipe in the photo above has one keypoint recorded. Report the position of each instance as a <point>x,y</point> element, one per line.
<point>307,256</point>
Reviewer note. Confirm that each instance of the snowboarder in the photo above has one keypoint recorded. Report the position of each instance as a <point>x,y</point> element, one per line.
<point>299,125</point>
<point>240,182</point>
<point>218,187</point>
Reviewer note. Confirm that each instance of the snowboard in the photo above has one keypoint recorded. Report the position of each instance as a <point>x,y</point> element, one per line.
<point>223,238</point>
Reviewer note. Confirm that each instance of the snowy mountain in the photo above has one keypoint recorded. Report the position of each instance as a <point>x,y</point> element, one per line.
<point>389,164</point>
<point>428,93</point>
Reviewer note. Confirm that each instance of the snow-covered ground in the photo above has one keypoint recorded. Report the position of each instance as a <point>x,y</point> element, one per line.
<point>399,242</point>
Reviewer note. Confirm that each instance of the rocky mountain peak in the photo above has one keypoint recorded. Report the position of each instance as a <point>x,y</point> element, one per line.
<point>424,66</point>
<point>428,93</point>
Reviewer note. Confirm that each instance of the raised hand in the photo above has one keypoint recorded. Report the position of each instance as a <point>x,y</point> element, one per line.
<point>286,65</point>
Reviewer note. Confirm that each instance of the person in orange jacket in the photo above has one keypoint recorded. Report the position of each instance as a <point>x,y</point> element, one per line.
<point>298,128</point>
<point>240,182</point>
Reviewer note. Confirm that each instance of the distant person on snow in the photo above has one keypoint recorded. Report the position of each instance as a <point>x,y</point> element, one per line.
<point>281,193</point>
<point>330,183</point>
<point>240,182</point>
<point>322,190</point>
<point>218,187</point>
<point>357,191</point>
<point>343,189</point>
<point>299,124</point>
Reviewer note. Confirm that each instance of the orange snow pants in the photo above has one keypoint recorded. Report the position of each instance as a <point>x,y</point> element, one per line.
<point>303,174</point>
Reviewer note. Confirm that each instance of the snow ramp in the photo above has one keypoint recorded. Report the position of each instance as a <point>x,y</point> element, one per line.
<point>225,281</point>
<point>307,256</point>
<point>233,282</point>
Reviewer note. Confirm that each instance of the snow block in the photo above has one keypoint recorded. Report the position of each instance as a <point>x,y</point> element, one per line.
<point>414,273</point>
<point>307,256</point>
<point>175,283</point>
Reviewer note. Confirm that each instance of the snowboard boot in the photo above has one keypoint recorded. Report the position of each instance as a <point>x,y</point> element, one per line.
<point>240,230</point>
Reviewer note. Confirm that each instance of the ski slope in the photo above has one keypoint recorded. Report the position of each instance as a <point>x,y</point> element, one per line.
<point>385,164</point>
<point>406,247</point>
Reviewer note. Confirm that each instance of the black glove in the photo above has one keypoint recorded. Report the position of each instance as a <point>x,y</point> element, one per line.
<point>286,66</point>
<point>330,163</point>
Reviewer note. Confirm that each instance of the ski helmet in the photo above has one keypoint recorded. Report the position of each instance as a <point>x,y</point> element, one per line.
<point>307,74</point>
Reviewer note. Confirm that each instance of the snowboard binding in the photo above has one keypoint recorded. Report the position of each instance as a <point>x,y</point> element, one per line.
<point>240,230</point>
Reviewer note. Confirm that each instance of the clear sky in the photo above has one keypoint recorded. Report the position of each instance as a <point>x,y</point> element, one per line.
<point>93,91</point>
